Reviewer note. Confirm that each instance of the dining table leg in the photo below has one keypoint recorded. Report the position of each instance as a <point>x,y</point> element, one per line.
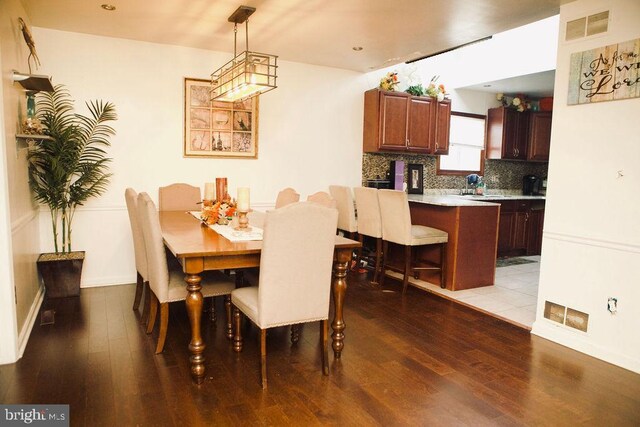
<point>194,311</point>
<point>339,288</point>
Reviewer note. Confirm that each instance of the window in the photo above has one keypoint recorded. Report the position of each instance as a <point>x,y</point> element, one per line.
<point>466,146</point>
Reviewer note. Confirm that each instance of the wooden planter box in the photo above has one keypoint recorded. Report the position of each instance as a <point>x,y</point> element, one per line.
<point>61,273</point>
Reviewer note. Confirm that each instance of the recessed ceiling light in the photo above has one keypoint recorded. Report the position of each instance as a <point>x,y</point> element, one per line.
<point>357,48</point>
<point>486,86</point>
<point>108,7</point>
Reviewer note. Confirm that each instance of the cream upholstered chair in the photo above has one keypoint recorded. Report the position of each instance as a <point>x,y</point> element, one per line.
<point>179,197</point>
<point>323,198</point>
<point>287,196</point>
<point>369,222</point>
<point>301,234</point>
<point>397,228</point>
<point>168,285</point>
<point>131,197</point>
<point>346,209</point>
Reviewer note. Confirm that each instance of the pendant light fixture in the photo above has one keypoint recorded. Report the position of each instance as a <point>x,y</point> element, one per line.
<point>248,73</point>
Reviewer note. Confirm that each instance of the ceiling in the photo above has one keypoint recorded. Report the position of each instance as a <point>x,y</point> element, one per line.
<point>320,32</point>
<point>537,85</point>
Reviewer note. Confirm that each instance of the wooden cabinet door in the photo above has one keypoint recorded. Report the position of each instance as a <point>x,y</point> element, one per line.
<point>393,121</point>
<point>539,136</point>
<point>505,232</point>
<point>441,126</point>
<point>516,126</point>
<point>535,226</point>
<point>421,111</point>
<point>520,233</point>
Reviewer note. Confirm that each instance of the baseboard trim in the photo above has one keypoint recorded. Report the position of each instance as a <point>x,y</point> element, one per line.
<point>97,282</point>
<point>558,335</point>
<point>25,333</point>
<point>590,241</point>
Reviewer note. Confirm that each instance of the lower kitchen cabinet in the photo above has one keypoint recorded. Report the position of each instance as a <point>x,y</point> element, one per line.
<point>520,229</point>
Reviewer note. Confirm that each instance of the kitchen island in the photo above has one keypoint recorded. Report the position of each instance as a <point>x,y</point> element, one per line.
<point>473,238</point>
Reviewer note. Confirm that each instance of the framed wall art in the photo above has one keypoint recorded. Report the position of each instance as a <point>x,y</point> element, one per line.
<point>415,175</point>
<point>217,128</point>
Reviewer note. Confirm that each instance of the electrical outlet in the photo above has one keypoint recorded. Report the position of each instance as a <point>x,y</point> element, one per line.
<point>612,305</point>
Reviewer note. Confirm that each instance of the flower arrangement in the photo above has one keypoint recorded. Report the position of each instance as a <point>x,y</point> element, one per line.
<point>519,102</point>
<point>389,81</point>
<point>220,212</point>
<point>433,90</point>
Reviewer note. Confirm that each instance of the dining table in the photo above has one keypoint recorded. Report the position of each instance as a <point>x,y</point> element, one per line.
<point>199,248</point>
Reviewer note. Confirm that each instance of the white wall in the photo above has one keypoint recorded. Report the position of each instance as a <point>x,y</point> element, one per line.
<point>591,243</point>
<point>310,133</point>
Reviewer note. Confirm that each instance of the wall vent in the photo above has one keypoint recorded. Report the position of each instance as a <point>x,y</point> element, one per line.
<point>554,312</point>
<point>576,319</point>
<point>586,26</point>
<point>566,316</point>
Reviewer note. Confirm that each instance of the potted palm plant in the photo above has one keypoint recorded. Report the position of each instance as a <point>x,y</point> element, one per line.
<point>65,170</point>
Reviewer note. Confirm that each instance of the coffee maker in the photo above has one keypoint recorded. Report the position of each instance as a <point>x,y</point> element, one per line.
<point>531,185</point>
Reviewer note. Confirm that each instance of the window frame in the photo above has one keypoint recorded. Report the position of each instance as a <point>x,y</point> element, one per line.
<point>482,152</point>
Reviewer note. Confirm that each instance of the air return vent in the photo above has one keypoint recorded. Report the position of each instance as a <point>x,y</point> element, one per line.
<point>597,23</point>
<point>566,316</point>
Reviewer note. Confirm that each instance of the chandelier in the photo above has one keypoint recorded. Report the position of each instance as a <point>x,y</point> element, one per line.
<point>248,73</point>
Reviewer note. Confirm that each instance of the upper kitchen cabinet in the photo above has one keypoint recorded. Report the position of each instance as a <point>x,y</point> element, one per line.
<point>507,134</point>
<point>398,121</point>
<point>539,136</point>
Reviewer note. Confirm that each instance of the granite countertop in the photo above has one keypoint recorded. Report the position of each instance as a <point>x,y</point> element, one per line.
<point>459,200</point>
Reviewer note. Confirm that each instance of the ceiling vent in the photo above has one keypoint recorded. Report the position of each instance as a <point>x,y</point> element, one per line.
<point>586,26</point>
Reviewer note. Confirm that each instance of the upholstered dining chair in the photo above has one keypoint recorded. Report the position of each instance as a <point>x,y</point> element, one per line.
<point>168,285</point>
<point>299,234</point>
<point>397,228</point>
<point>286,197</point>
<point>179,197</point>
<point>142,279</point>
<point>346,209</point>
<point>323,198</point>
<point>369,222</point>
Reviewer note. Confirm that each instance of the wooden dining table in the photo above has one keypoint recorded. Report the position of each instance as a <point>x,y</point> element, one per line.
<point>199,248</point>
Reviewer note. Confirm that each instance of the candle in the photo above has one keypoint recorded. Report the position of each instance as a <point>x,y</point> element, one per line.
<point>221,189</point>
<point>243,199</point>
<point>209,191</point>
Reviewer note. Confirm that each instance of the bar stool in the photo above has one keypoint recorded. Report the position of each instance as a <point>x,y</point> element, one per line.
<point>369,223</point>
<point>347,221</point>
<point>397,228</point>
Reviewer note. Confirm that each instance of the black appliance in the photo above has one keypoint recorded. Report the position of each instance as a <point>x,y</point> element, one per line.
<point>379,183</point>
<point>531,185</point>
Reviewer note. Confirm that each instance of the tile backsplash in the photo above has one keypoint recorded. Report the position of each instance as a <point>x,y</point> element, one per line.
<point>498,174</point>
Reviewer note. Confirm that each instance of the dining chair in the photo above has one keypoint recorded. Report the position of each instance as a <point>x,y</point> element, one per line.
<point>347,221</point>
<point>179,197</point>
<point>168,285</point>
<point>369,222</point>
<point>397,228</point>
<point>323,198</point>
<point>300,234</point>
<point>286,197</point>
<point>142,275</point>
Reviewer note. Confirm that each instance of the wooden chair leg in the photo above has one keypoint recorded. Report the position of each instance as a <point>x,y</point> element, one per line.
<point>139,287</point>
<point>147,302</point>
<point>212,309</point>
<point>385,251</point>
<point>324,343</point>
<point>164,325</point>
<point>407,268</point>
<point>227,308</point>
<point>237,337</point>
<point>378,258</point>
<point>359,253</point>
<point>153,310</point>
<point>295,333</point>
<point>443,264</point>
<point>263,357</point>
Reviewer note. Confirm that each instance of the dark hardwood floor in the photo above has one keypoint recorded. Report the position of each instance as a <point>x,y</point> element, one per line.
<point>413,360</point>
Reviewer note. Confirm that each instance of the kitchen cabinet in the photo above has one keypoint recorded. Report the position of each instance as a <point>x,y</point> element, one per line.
<point>507,134</point>
<point>520,228</point>
<point>539,136</point>
<point>398,121</point>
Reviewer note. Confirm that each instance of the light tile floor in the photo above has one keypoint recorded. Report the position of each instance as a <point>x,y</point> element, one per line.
<point>512,298</point>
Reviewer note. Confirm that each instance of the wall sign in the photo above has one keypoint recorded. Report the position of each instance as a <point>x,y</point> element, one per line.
<point>605,74</point>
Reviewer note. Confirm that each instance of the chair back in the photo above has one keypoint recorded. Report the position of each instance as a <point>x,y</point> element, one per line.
<point>369,222</point>
<point>286,197</point>
<point>131,197</point>
<point>156,258</point>
<point>323,198</point>
<point>395,216</point>
<point>295,265</point>
<point>179,197</point>
<point>346,208</point>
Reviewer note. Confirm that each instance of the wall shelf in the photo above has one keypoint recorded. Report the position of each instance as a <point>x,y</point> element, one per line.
<point>32,82</point>
<point>24,140</point>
